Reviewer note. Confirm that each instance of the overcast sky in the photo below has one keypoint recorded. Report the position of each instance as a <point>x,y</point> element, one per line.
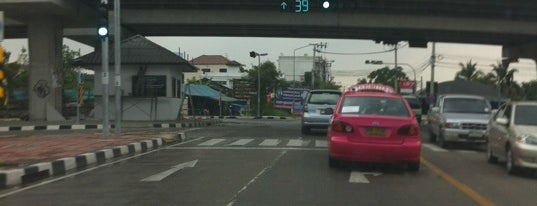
<point>238,48</point>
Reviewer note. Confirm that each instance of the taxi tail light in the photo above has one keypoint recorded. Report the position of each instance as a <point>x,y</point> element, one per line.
<point>341,127</point>
<point>409,130</point>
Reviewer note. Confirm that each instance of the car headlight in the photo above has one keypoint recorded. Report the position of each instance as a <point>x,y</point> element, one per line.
<point>452,125</point>
<point>527,139</point>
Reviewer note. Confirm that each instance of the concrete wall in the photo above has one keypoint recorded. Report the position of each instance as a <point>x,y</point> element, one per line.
<point>141,109</point>
<point>126,78</point>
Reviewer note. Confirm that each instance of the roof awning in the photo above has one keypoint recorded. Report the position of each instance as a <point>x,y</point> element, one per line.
<point>206,91</point>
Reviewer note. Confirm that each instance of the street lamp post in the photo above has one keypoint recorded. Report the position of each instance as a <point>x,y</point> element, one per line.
<point>258,55</point>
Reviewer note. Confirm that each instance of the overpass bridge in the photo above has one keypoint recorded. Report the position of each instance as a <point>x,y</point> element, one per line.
<point>510,23</point>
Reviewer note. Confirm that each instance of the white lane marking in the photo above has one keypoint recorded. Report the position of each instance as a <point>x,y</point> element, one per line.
<point>160,176</point>
<point>295,143</point>
<point>248,148</point>
<point>270,142</point>
<point>211,142</point>
<point>268,167</point>
<point>241,142</point>
<point>434,147</point>
<point>91,169</point>
<point>321,143</point>
<point>359,177</point>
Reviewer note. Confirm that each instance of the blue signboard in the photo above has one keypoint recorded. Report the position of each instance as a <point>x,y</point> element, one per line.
<point>289,98</point>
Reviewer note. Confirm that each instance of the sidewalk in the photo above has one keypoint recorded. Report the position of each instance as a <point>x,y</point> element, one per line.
<point>28,158</point>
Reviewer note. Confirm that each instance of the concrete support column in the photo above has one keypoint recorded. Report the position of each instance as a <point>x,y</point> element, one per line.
<point>528,50</point>
<point>45,87</point>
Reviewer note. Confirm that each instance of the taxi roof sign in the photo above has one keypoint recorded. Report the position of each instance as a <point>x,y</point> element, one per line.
<point>371,88</point>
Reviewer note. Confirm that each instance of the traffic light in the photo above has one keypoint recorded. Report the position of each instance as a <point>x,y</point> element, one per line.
<point>102,16</point>
<point>253,54</point>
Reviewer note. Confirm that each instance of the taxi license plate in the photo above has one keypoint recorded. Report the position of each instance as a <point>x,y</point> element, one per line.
<point>375,132</point>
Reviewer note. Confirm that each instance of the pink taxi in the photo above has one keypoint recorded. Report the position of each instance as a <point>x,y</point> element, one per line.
<point>373,124</point>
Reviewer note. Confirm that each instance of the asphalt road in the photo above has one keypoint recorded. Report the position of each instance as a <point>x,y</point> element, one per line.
<point>268,162</point>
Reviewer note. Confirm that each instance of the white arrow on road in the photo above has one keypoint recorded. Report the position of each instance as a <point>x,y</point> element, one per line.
<point>359,177</point>
<point>160,176</point>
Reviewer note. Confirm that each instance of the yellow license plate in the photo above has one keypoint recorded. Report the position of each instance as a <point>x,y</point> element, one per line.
<point>375,132</point>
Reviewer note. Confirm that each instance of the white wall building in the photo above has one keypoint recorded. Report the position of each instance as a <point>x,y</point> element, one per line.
<point>294,67</point>
<point>158,97</point>
<point>217,68</point>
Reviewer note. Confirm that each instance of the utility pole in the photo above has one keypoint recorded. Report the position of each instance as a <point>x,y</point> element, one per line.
<point>102,34</point>
<point>433,59</point>
<point>117,64</point>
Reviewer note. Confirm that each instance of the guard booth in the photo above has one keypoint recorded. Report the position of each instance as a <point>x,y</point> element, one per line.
<point>151,79</point>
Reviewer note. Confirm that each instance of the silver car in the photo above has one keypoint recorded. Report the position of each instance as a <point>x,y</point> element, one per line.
<point>315,105</point>
<point>459,118</point>
<point>512,135</point>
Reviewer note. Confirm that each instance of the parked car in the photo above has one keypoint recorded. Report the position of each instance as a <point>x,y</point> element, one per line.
<point>459,118</point>
<point>512,136</point>
<point>415,104</point>
<point>315,103</point>
<point>373,124</point>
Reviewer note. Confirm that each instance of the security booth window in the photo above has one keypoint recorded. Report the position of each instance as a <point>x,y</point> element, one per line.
<point>150,86</point>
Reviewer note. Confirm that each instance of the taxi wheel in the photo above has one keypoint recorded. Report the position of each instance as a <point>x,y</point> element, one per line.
<point>413,167</point>
<point>512,169</point>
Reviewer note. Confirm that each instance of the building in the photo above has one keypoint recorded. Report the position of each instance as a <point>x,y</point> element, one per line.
<point>217,68</point>
<point>294,67</point>
<point>151,79</point>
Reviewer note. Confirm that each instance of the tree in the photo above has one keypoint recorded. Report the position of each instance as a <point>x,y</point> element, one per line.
<point>16,76</point>
<point>362,81</point>
<point>529,90</point>
<point>69,72</point>
<point>468,72</point>
<point>270,77</point>
<point>505,79</point>
<point>488,79</point>
<point>387,76</point>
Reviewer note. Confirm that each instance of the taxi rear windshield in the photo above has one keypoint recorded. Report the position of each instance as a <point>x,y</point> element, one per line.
<point>382,106</point>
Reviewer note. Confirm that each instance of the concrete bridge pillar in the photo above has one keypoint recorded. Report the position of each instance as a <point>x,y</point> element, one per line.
<point>45,48</point>
<point>528,50</point>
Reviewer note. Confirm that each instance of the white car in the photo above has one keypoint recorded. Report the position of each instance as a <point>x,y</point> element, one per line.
<point>512,136</point>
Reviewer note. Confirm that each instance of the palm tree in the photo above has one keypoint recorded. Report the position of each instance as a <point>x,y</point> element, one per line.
<point>468,72</point>
<point>504,78</point>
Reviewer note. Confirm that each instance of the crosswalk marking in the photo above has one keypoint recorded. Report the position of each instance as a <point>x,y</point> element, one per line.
<point>434,148</point>
<point>297,143</point>
<point>321,143</point>
<point>241,142</point>
<point>211,142</point>
<point>270,142</point>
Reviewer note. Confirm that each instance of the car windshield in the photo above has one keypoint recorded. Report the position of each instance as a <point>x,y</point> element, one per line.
<point>526,115</point>
<point>374,106</point>
<point>413,102</point>
<point>324,98</point>
<point>466,105</point>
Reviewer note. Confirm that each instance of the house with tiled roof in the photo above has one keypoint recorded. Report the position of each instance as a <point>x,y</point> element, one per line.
<point>217,68</point>
<point>150,75</point>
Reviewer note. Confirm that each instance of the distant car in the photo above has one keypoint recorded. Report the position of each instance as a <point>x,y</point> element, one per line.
<point>459,118</point>
<point>373,124</point>
<point>315,103</point>
<point>415,104</point>
<point>512,136</point>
